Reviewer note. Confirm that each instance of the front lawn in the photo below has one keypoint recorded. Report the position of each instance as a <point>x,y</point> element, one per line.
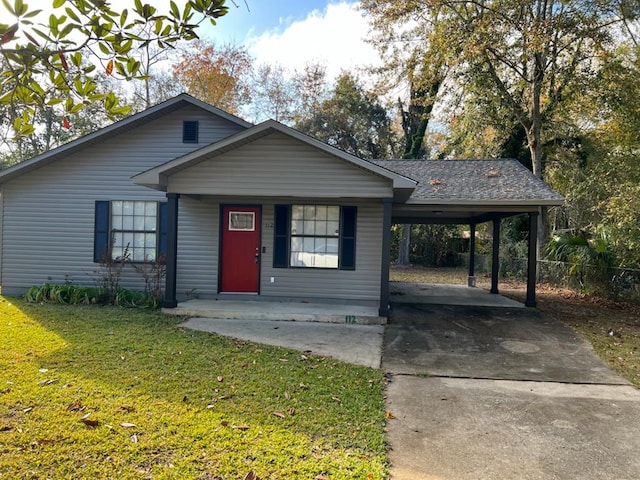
<point>97,392</point>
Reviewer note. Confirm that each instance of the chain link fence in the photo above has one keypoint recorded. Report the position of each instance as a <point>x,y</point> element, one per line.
<point>611,282</point>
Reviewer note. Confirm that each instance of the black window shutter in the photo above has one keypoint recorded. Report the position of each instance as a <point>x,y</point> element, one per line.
<point>101,234</point>
<point>190,131</point>
<point>163,230</point>
<point>281,238</point>
<point>348,238</point>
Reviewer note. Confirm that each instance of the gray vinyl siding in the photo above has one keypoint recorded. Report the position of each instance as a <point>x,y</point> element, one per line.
<point>48,215</point>
<point>198,249</point>
<point>275,164</point>
<point>198,245</point>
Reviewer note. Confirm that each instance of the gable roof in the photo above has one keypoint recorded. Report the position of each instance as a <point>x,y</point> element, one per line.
<point>458,182</point>
<point>114,129</point>
<point>156,177</point>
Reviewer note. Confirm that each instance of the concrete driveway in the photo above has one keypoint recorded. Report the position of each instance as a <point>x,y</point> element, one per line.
<point>502,393</point>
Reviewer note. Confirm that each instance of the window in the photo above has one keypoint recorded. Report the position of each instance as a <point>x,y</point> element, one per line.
<point>135,227</point>
<point>315,232</point>
<point>314,236</point>
<point>190,131</point>
<point>242,221</point>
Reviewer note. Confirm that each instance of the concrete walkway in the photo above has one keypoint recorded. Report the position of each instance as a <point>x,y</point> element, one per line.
<point>356,344</point>
<point>480,392</point>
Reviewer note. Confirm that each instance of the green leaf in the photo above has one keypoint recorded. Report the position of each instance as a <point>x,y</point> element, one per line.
<point>42,34</point>
<point>104,48</point>
<point>6,98</point>
<point>175,11</point>
<point>31,14</point>
<point>20,7</point>
<point>58,3</point>
<point>8,6</point>
<point>54,101</point>
<point>72,14</point>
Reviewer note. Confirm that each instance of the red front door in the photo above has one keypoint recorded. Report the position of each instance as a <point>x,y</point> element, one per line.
<point>240,251</point>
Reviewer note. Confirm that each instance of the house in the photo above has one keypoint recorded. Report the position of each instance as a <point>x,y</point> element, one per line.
<point>250,211</point>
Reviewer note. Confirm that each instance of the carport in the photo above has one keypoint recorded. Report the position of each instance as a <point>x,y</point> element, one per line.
<point>471,192</point>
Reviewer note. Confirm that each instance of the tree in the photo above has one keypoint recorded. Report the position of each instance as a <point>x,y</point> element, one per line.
<point>273,94</point>
<point>217,75</point>
<point>525,57</point>
<point>79,35</point>
<point>311,89</point>
<point>351,119</point>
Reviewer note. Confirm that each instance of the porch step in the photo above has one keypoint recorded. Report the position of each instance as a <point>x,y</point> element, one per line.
<point>262,310</point>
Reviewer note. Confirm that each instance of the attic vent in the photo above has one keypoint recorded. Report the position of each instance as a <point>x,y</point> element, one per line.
<point>190,131</point>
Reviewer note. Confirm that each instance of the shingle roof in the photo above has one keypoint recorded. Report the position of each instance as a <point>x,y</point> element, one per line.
<point>473,180</point>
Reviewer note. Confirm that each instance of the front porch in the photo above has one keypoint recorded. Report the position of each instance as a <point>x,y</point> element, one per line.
<point>279,310</point>
<point>400,292</point>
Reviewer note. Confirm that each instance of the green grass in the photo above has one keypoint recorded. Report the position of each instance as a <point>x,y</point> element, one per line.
<point>185,392</point>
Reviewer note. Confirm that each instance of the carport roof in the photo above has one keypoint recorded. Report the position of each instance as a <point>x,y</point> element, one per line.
<point>469,182</point>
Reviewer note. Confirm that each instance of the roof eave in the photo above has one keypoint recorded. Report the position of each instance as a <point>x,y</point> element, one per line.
<point>548,202</point>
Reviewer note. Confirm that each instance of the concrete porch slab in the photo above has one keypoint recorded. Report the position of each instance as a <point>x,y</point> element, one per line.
<point>264,310</point>
<point>442,294</point>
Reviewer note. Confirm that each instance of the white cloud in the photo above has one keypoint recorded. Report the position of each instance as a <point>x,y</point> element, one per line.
<point>334,37</point>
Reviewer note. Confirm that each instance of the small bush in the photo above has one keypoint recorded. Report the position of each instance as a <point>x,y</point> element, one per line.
<point>66,294</point>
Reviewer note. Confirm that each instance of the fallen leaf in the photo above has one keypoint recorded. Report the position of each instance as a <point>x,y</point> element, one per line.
<point>90,423</point>
<point>48,381</point>
<point>224,423</point>
<point>303,358</point>
<point>65,123</point>
<point>279,414</point>
<point>336,399</point>
<point>388,414</point>
<point>134,438</point>
<point>287,395</point>
<point>292,411</point>
<point>43,370</point>
<point>303,386</point>
<point>209,407</point>
<point>6,428</point>
<point>220,379</point>
<point>127,425</point>
<point>127,408</point>
<point>251,476</point>
<point>322,477</point>
<point>75,406</point>
<point>240,427</point>
<point>27,410</point>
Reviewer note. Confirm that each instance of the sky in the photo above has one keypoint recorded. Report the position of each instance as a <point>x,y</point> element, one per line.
<point>291,33</point>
